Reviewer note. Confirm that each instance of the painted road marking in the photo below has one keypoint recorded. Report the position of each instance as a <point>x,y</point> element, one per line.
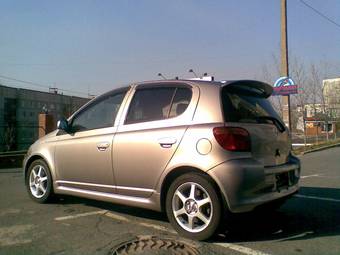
<point>308,176</point>
<point>15,235</point>
<point>318,198</point>
<point>320,176</point>
<point>241,249</point>
<point>301,144</point>
<point>116,216</point>
<point>295,236</point>
<point>158,227</point>
<point>80,215</point>
<point>235,247</point>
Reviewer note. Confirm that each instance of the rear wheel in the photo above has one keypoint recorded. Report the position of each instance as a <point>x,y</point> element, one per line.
<point>193,206</point>
<point>39,182</point>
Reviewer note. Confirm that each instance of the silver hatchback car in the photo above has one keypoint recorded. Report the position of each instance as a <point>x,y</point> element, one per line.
<point>197,150</point>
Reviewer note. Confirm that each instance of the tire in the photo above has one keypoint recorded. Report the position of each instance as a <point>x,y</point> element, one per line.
<point>195,199</point>
<point>39,182</point>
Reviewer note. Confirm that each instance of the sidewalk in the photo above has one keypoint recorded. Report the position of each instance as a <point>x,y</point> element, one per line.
<point>315,147</point>
<point>321,148</point>
<point>10,170</point>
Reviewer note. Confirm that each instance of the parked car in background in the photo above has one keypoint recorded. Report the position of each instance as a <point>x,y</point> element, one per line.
<point>194,149</point>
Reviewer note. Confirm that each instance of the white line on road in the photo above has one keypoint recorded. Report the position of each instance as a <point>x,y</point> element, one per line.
<point>158,227</point>
<point>241,249</point>
<point>304,234</point>
<point>308,176</point>
<point>320,176</point>
<point>116,216</point>
<point>318,198</point>
<point>80,215</point>
<point>301,144</point>
<point>235,247</point>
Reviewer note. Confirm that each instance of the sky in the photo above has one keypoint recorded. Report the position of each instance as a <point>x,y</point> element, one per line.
<point>94,46</point>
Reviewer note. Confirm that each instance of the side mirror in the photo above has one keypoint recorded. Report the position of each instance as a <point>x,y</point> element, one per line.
<point>62,124</point>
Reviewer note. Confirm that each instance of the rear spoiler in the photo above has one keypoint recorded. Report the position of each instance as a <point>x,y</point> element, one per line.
<point>258,87</point>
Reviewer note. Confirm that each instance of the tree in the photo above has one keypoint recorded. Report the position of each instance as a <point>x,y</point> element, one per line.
<point>309,78</point>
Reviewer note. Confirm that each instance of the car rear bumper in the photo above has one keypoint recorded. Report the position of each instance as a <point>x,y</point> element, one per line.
<point>246,183</point>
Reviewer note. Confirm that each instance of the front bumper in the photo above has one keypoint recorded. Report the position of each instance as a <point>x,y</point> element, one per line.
<point>246,183</point>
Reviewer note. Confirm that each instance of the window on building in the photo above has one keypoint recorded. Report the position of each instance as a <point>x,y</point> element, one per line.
<point>326,127</point>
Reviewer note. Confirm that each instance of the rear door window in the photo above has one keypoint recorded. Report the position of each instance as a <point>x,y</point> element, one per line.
<point>180,102</point>
<point>151,104</point>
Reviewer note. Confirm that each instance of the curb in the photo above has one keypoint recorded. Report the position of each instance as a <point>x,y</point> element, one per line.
<point>320,149</point>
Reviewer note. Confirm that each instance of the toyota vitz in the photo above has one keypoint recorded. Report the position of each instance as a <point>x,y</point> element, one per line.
<point>197,150</point>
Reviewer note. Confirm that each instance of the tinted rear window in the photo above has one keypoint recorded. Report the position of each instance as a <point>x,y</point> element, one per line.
<point>242,105</point>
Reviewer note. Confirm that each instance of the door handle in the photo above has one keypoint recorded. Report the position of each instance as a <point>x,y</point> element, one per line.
<point>103,146</point>
<point>167,142</point>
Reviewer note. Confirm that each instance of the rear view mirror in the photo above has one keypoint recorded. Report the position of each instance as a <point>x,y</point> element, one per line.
<point>62,124</point>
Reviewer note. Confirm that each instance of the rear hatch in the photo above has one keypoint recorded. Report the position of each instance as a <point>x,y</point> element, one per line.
<point>246,105</point>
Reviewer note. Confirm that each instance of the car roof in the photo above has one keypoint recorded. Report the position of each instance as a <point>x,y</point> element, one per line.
<point>265,88</point>
<point>260,86</point>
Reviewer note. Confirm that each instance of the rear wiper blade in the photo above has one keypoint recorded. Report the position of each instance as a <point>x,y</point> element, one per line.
<point>280,126</point>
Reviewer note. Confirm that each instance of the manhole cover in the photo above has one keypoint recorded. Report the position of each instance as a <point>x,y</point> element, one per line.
<point>153,245</point>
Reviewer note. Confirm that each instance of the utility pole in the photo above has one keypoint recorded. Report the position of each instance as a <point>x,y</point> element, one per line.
<point>284,63</point>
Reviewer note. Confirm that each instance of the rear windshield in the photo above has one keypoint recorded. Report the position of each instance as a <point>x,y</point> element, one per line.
<point>243,105</point>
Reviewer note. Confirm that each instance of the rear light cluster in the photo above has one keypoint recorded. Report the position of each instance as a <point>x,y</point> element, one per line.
<point>232,138</point>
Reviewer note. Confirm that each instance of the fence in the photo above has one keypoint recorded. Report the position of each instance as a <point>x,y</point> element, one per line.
<point>300,139</point>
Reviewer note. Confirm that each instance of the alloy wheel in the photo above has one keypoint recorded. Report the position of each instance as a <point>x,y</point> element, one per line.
<point>192,207</point>
<point>38,181</point>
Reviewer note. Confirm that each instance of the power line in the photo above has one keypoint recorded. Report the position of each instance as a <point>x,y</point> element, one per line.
<point>22,81</point>
<point>41,85</point>
<point>320,13</point>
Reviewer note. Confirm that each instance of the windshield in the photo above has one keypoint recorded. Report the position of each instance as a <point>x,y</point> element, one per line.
<point>246,106</point>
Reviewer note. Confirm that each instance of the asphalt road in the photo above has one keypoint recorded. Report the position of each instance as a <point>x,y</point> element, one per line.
<point>309,223</point>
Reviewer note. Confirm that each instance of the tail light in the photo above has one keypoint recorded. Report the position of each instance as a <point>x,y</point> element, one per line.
<point>232,138</point>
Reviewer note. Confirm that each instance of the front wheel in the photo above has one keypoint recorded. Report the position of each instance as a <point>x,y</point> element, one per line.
<point>193,206</point>
<point>39,182</point>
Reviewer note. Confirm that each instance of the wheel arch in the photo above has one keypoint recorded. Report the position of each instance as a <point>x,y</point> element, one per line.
<point>172,175</point>
<point>34,158</point>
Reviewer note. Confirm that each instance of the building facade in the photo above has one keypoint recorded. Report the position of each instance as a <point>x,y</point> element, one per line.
<point>331,93</point>
<point>19,110</point>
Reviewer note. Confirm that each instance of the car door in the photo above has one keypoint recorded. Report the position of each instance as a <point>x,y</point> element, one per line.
<point>150,134</point>
<point>83,157</point>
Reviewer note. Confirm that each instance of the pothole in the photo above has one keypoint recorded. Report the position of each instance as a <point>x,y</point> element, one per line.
<point>153,245</point>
